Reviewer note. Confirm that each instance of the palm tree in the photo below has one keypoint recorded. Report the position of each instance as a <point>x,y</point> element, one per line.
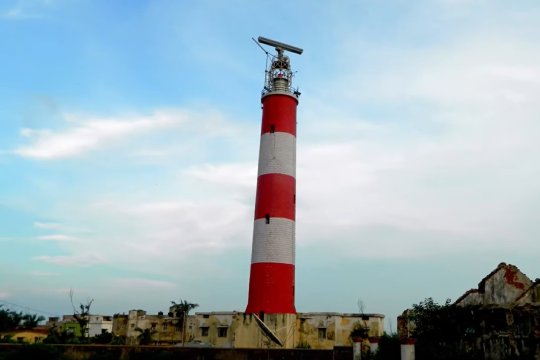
<point>9,319</point>
<point>145,336</point>
<point>181,310</point>
<point>30,321</point>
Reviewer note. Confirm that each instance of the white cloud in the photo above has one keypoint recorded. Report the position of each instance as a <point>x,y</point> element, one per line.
<point>81,260</point>
<point>140,283</point>
<point>66,230</point>
<point>182,228</point>
<point>18,13</point>
<point>56,237</point>
<point>451,167</point>
<point>4,295</point>
<point>27,9</point>
<point>240,177</point>
<point>90,133</point>
<point>44,273</point>
<point>47,225</point>
<point>479,70</point>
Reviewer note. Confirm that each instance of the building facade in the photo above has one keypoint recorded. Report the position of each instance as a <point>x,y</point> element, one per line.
<point>321,330</point>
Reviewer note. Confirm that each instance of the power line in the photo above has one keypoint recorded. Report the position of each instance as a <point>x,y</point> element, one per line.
<point>27,308</point>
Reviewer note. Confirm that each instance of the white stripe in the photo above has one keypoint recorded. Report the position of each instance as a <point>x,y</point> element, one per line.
<point>273,242</point>
<point>277,154</point>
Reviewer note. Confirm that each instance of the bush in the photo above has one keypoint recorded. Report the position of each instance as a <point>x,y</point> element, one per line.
<point>389,348</point>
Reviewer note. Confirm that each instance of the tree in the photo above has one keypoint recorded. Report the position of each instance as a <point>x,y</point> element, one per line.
<point>145,336</point>
<point>181,311</point>
<point>389,347</point>
<point>359,331</point>
<point>82,316</point>
<point>439,330</point>
<point>9,319</point>
<point>30,321</point>
<point>103,338</point>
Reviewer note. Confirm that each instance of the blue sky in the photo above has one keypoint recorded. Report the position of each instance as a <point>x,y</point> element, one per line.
<point>129,138</point>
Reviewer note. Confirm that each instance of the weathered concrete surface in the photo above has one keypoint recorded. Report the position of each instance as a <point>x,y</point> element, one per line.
<point>407,352</point>
<point>503,286</point>
<point>313,330</point>
<point>500,319</point>
<point>231,329</point>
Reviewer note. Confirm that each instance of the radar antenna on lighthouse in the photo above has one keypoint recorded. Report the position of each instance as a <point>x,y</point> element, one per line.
<point>278,75</point>
<point>271,283</point>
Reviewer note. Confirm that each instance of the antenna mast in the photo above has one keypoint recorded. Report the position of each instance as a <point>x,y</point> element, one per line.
<point>279,75</point>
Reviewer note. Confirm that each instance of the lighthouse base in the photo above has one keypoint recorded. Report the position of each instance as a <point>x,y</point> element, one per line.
<point>278,331</point>
<point>271,289</point>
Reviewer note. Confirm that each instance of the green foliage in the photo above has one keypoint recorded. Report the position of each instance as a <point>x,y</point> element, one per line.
<point>82,316</point>
<point>182,308</point>
<point>7,339</point>
<point>9,319</point>
<point>145,336</point>
<point>103,338</point>
<point>56,336</point>
<point>302,344</point>
<point>30,321</point>
<point>359,331</point>
<point>118,340</point>
<point>389,348</point>
<point>440,331</point>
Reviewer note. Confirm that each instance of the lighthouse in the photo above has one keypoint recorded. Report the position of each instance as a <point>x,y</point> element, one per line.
<point>271,282</point>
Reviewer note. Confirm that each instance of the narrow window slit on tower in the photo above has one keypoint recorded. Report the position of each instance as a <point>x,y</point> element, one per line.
<point>267,217</point>
<point>272,128</point>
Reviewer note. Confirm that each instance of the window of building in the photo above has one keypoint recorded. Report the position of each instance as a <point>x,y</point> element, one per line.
<point>177,327</point>
<point>165,326</point>
<point>272,128</point>
<point>153,326</point>
<point>206,316</point>
<point>222,331</point>
<point>322,333</point>
<point>267,217</point>
<point>204,330</point>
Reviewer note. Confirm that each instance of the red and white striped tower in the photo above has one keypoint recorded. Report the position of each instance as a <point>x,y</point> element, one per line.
<point>271,283</point>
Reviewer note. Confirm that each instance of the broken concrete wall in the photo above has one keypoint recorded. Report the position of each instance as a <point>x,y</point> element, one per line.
<point>504,285</point>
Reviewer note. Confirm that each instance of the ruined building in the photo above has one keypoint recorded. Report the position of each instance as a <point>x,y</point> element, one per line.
<point>506,285</point>
<point>498,320</point>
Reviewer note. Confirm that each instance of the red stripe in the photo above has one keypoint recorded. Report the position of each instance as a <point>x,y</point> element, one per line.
<point>279,111</point>
<point>271,289</point>
<point>275,196</point>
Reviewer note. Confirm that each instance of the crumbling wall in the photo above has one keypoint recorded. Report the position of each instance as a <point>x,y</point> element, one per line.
<point>504,285</point>
<point>508,333</point>
<point>487,332</point>
<point>531,295</point>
